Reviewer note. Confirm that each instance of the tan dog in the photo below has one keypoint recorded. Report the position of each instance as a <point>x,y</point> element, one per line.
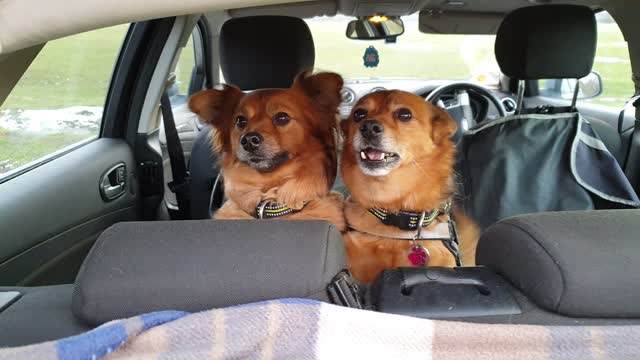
<point>397,163</point>
<point>278,148</point>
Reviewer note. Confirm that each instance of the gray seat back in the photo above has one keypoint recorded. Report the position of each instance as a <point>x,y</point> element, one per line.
<point>140,267</point>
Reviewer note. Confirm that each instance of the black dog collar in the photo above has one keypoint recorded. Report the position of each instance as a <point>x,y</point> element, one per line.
<point>408,220</point>
<point>269,209</point>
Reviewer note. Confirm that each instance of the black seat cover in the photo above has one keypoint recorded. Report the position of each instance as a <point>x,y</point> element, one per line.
<point>255,52</point>
<point>542,162</point>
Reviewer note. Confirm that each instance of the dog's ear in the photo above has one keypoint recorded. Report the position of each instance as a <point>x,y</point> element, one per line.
<point>323,88</point>
<point>216,107</point>
<point>442,126</point>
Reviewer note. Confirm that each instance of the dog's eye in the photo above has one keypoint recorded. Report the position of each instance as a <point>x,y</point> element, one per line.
<point>359,114</point>
<point>241,122</point>
<point>281,119</point>
<point>404,114</point>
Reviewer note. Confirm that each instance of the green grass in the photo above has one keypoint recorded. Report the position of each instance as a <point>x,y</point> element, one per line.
<point>71,71</point>
<point>184,67</point>
<point>616,76</point>
<point>20,147</point>
<point>76,71</point>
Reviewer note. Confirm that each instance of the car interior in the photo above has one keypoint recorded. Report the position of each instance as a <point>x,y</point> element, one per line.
<point>120,224</point>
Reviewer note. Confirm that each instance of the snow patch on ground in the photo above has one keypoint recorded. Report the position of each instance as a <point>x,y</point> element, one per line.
<point>75,119</point>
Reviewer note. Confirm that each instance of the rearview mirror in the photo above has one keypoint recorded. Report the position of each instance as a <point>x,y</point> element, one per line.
<point>375,27</point>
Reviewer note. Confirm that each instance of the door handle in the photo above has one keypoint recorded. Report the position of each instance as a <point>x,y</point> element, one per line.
<point>113,182</point>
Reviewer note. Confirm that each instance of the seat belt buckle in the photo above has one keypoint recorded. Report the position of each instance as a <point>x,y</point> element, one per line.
<point>181,187</point>
<point>343,290</point>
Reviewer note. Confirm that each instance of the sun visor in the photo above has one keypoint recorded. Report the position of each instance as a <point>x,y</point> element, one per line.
<point>459,22</point>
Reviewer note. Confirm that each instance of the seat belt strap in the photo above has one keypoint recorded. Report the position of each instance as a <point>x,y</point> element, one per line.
<point>181,178</point>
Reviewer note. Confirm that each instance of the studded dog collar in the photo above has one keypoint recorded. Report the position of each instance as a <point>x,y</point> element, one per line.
<point>407,220</point>
<point>269,209</point>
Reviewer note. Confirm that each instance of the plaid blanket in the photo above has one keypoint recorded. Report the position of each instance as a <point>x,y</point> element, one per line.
<point>304,329</point>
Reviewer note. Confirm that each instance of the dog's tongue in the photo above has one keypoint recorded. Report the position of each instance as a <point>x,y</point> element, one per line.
<point>374,154</point>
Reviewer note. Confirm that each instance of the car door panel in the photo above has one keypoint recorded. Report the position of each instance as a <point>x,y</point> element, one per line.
<point>54,212</point>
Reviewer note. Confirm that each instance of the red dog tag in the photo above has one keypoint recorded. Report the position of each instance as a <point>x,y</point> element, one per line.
<point>418,255</point>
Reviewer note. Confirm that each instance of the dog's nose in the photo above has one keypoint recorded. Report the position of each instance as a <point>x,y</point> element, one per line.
<point>371,128</point>
<point>251,141</point>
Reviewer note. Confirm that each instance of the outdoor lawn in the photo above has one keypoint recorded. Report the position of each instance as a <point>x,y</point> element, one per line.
<point>58,102</point>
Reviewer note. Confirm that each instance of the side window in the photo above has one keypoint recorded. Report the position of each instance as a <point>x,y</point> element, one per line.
<point>184,68</point>
<point>58,101</point>
<point>610,82</point>
<point>188,75</point>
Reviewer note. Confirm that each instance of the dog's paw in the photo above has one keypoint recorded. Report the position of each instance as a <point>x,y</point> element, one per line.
<point>289,199</point>
<point>270,194</point>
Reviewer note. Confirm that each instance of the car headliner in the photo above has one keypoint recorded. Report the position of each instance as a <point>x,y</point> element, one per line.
<point>28,23</point>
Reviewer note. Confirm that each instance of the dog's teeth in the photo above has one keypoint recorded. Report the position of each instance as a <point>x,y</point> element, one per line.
<point>363,156</point>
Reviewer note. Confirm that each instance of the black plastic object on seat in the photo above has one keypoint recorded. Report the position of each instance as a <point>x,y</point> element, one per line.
<point>443,293</point>
<point>579,263</point>
<point>265,51</point>
<point>547,42</point>
<point>141,267</point>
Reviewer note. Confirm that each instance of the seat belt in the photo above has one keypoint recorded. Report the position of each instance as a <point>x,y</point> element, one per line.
<point>181,179</point>
<point>632,162</point>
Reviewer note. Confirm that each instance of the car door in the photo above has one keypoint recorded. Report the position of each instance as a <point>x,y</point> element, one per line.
<point>64,176</point>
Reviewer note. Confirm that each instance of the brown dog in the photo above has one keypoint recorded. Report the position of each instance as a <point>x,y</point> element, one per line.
<point>278,148</point>
<point>397,163</point>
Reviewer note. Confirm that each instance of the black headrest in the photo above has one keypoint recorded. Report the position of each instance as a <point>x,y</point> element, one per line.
<point>547,42</point>
<point>265,51</point>
<point>139,267</point>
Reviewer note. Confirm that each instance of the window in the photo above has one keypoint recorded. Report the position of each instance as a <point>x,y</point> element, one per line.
<point>612,64</point>
<point>59,100</point>
<point>185,67</point>
<point>188,75</point>
<point>413,55</point>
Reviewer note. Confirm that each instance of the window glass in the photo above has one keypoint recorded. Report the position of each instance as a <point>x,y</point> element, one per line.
<point>413,55</point>
<point>185,66</point>
<point>59,100</point>
<point>612,63</point>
